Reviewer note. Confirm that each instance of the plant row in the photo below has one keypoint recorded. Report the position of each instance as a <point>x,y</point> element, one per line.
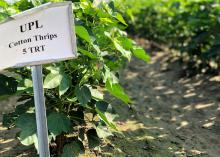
<point>190,26</point>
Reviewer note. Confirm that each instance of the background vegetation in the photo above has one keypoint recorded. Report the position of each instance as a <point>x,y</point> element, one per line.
<point>189,26</point>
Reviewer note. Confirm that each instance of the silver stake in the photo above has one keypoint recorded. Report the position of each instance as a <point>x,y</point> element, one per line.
<point>40,109</point>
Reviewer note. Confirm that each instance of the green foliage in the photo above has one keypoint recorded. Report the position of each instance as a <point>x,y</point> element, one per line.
<point>27,123</point>
<point>58,123</point>
<point>190,26</point>
<point>73,149</point>
<point>83,33</point>
<point>116,90</point>
<point>140,53</point>
<point>75,101</point>
<point>83,95</point>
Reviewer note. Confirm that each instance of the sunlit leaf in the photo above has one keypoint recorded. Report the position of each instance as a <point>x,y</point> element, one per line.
<point>52,80</point>
<point>83,33</point>
<point>116,90</point>
<point>141,54</point>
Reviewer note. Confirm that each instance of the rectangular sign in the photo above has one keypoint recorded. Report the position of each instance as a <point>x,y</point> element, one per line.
<point>37,36</point>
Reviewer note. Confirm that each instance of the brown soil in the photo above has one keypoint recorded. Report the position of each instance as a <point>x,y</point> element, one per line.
<point>171,116</point>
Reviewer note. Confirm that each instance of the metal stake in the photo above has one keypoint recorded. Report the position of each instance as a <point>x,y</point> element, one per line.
<point>40,109</point>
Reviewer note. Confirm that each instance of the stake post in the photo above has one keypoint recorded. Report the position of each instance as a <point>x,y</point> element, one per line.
<point>40,110</point>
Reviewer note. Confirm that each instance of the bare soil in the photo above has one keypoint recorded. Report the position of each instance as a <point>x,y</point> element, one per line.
<point>171,115</point>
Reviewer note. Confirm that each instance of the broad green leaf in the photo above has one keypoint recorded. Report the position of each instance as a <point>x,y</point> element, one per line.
<point>52,80</point>
<point>57,77</point>
<point>120,18</point>
<point>102,106</point>
<point>87,53</point>
<point>83,95</point>
<point>116,90</point>
<point>126,43</point>
<point>93,138</point>
<point>73,149</point>
<point>141,54</point>
<point>54,69</point>
<point>64,84</point>
<point>27,120</point>
<point>58,123</point>
<point>83,33</point>
<point>27,124</point>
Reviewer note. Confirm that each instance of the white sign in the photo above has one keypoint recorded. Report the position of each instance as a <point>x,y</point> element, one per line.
<point>41,35</point>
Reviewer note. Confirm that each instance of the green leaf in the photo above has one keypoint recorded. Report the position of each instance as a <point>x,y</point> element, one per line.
<point>120,18</point>
<point>87,53</point>
<point>52,80</point>
<point>57,77</point>
<point>83,95</point>
<point>125,53</point>
<point>107,20</point>
<point>64,84</point>
<point>27,124</point>
<point>54,69</point>
<point>102,106</point>
<point>105,119</point>
<point>93,138</point>
<point>105,111</point>
<point>73,149</point>
<point>58,123</point>
<point>141,54</point>
<point>83,33</point>
<point>126,43</point>
<point>116,90</point>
